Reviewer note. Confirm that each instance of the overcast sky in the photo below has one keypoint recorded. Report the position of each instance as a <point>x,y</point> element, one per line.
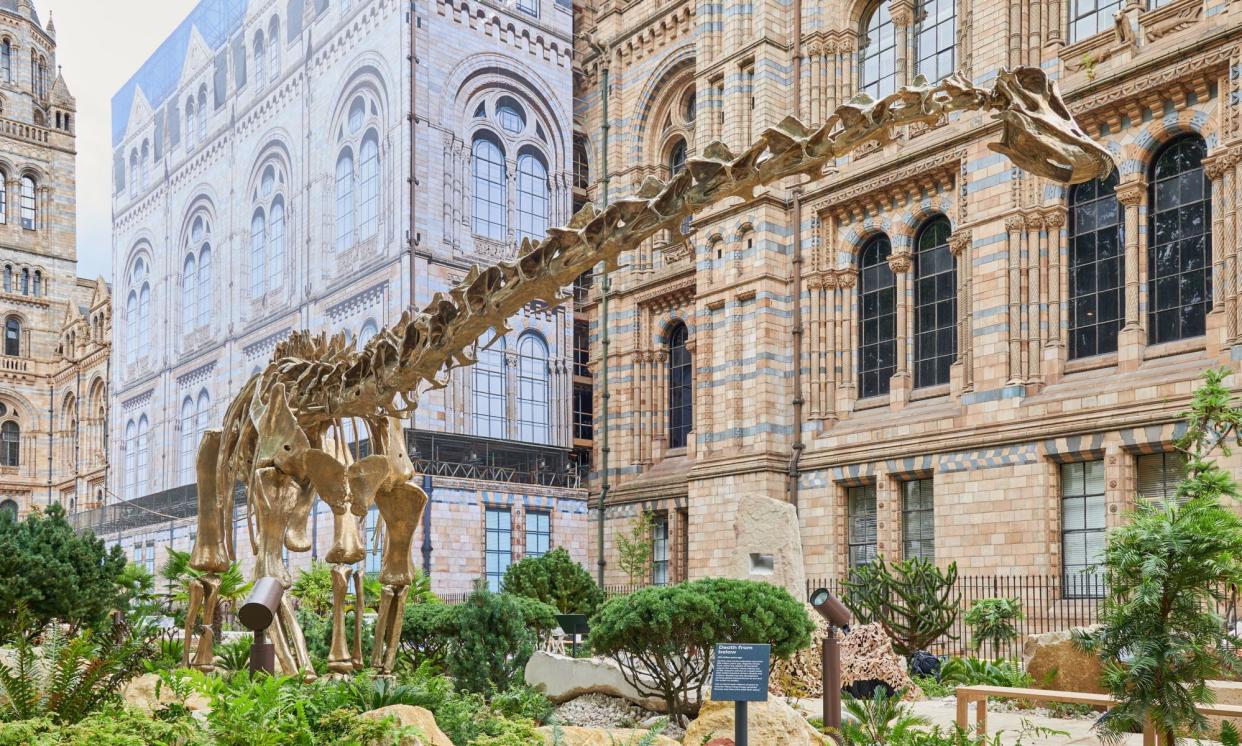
<point>99,45</point>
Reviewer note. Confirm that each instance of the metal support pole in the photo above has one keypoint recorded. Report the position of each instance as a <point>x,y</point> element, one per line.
<point>832,681</point>
<point>740,727</point>
<point>262,655</point>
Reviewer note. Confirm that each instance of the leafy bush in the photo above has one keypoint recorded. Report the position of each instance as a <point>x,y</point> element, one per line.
<point>992,621</point>
<point>74,675</point>
<point>956,736</point>
<point>523,703</point>
<point>109,728</point>
<point>1168,569</point>
<point>557,580</point>
<point>539,617</point>
<point>973,671</point>
<point>493,642</point>
<point>313,589</point>
<point>880,720</point>
<point>662,636</point>
<point>912,600</point>
<point>234,655</point>
<point>364,693</point>
<point>55,573</point>
<point>427,630</point>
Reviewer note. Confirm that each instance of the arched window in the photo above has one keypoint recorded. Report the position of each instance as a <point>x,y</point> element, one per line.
<point>202,416</point>
<point>276,245</point>
<point>204,285</point>
<point>490,178</point>
<point>134,178</point>
<point>1090,17</point>
<point>12,336</point>
<point>6,61</point>
<point>10,444</point>
<point>532,390</point>
<point>146,163</point>
<point>131,460</point>
<point>189,122</point>
<point>877,323</point>
<point>368,186</point>
<point>138,313</point>
<point>532,189</point>
<point>877,56</point>
<point>188,431</point>
<point>258,244</point>
<point>490,392</point>
<point>345,200</point>
<point>144,455</point>
<point>4,197</point>
<point>1179,286</point>
<point>25,282</point>
<point>935,304</point>
<point>202,113</point>
<point>260,76</point>
<point>1096,268</point>
<point>189,294</point>
<point>680,387</point>
<point>38,284</point>
<point>677,157</point>
<point>582,164</point>
<point>510,115</point>
<point>9,507</point>
<point>935,39</point>
<point>28,203</point>
<point>369,329</point>
<point>273,48</point>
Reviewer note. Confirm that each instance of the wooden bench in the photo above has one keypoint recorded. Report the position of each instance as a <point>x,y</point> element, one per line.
<point>979,696</point>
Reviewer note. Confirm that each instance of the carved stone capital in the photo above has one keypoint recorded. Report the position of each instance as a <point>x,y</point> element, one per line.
<point>1216,164</point>
<point>1054,218</point>
<point>959,242</point>
<point>900,262</point>
<point>829,279</point>
<point>1035,221</point>
<point>1015,223</point>
<point>1130,194</point>
<point>846,278</point>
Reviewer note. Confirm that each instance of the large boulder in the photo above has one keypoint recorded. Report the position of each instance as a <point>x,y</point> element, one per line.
<point>561,678</point>
<point>419,717</point>
<point>769,544</point>
<point>574,736</point>
<point>771,722</point>
<point>867,654</point>
<point>140,694</point>
<point>1055,662</point>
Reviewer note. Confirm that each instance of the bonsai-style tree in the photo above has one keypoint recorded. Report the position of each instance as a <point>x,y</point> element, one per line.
<point>494,640</point>
<point>427,632</point>
<point>913,600</point>
<point>1167,572</point>
<point>55,573</point>
<point>662,636</point>
<point>992,621</point>
<point>634,552</point>
<point>555,579</point>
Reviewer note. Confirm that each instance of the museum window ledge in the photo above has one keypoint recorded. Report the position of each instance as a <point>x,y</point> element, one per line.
<point>929,392</point>
<point>1094,362</point>
<point>881,401</point>
<point>1171,349</point>
<point>491,248</point>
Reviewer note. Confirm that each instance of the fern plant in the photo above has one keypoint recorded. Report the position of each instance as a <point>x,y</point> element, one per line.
<point>974,671</point>
<point>235,655</point>
<point>880,720</point>
<point>73,677</point>
<point>365,693</point>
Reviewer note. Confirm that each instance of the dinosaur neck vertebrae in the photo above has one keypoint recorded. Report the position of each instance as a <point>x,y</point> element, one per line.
<point>286,435</point>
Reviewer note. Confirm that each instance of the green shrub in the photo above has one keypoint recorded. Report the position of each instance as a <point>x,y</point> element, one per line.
<point>109,728</point>
<point>671,630</point>
<point>973,672</point>
<point>427,631</point>
<point>992,621</point>
<point>313,589</point>
<point>913,600</point>
<point>235,654</point>
<point>880,720</point>
<point>539,617</point>
<point>493,642</point>
<point>523,703</point>
<point>557,580</point>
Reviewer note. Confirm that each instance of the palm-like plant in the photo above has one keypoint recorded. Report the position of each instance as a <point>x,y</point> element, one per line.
<point>880,720</point>
<point>179,574</point>
<point>234,655</point>
<point>72,677</point>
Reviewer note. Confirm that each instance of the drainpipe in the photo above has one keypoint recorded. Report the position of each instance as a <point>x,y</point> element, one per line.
<point>795,455</point>
<point>429,487</point>
<point>51,443</point>
<point>604,342</point>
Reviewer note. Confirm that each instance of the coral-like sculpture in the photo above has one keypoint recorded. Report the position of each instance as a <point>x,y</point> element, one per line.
<point>283,438</point>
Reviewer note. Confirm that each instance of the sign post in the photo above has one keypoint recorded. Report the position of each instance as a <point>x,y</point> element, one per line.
<point>740,675</point>
<point>573,625</point>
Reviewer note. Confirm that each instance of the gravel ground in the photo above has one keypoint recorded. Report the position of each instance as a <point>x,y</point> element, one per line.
<point>602,711</point>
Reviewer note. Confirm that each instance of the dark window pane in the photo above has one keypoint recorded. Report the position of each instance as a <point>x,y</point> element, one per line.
<point>1096,268</point>
<point>935,300</point>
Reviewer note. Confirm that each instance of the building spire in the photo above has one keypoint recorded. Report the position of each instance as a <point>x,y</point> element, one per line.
<point>51,25</point>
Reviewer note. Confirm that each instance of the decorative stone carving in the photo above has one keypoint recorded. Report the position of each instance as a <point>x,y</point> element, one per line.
<point>900,262</point>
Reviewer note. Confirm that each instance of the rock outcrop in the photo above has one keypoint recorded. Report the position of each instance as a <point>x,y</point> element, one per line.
<point>1055,662</point>
<point>769,544</point>
<point>139,693</point>
<point>572,736</point>
<point>771,722</point>
<point>419,717</point>
<point>561,678</point>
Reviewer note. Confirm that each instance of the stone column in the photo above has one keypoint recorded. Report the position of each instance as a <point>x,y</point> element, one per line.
<point>1054,347</point>
<point>829,396</point>
<point>1055,40</point>
<point>846,279</point>
<point>659,399</point>
<point>902,13</point>
<point>1035,246</point>
<point>695,402</point>
<point>641,365</point>
<point>1013,290</point>
<point>959,247</point>
<point>813,323</point>
<point>1133,337</point>
<point>1219,169</point>
<point>901,382</point>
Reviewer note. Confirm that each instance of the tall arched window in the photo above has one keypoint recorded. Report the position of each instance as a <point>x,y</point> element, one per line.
<point>1090,17</point>
<point>204,285</point>
<point>189,294</point>
<point>189,122</point>
<point>202,416</point>
<point>532,189</point>
<point>12,336</point>
<point>138,312</point>
<point>260,75</point>
<point>146,164</point>
<point>368,186</point>
<point>533,416</point>
<point>258,245</point>
<point>273,48</point>
<point>490,392</point>
<point>677,157</point>
<point>1096,268</point>
<point>935,39</point>
<point>490,183</point>
<point>276,245</point>
<point>680,387</point>
<point>345,200</point>
<point>202,113</point>
<point>369,329</point>
<point>25,282</point>
<point>935,304</point>
<point>582,162</point>
<point>131,460</point>
<point>10,444</point>
<point>1179,286</point>
<point>6,61</point>
<point>38,284</point>
<point>9,507</point>
<point>877,322</point>
<point>144,455</point>
<point>28,203</point>
<point>188,431</point>
<point>134,178</point>
<point>877,56</point>
<point>4,197</point>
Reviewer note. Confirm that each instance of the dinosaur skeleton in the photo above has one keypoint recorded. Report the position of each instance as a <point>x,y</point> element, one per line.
<point>284,436</point>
